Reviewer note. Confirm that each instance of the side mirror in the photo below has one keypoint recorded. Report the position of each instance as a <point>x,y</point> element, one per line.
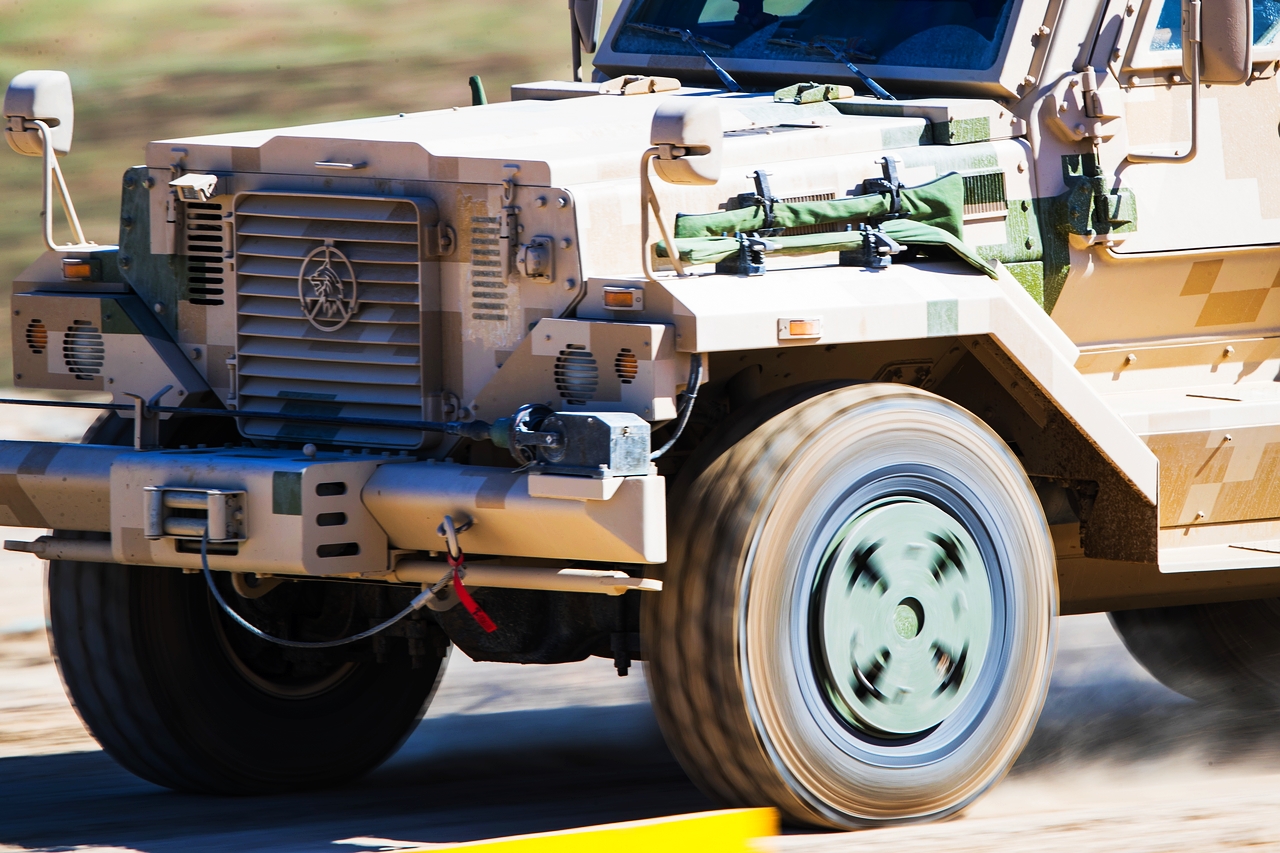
<point>689,137</point>
<point>586,21</point>
<point>1224,29</point>
<point>39,96</point>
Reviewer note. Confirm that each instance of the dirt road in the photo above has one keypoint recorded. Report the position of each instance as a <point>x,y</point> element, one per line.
<point>1117,763</point>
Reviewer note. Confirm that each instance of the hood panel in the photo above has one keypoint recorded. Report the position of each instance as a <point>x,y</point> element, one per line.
<point>581,140</point>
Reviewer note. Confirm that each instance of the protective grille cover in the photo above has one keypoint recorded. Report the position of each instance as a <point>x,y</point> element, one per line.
<point>329,320</point>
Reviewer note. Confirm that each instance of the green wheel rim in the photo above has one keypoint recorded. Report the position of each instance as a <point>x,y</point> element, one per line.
<point>903,619</point>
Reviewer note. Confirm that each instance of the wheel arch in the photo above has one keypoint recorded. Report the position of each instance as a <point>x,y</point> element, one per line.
<point>981,343</point>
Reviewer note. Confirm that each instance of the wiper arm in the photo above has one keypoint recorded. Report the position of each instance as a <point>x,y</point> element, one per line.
<point>725,78</point>
<point>693,41</point>
<point>840,56</point>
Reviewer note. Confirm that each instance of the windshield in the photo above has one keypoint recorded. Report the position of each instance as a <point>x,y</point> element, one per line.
<point>923,33</point>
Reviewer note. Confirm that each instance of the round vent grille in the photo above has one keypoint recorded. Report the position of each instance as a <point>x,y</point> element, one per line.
<point>37,337</point>
<point>577,375</point>
<point>82,350</point>
<point>626,365</point>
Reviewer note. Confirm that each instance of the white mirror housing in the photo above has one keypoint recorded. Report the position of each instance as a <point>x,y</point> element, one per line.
<point>39,96</point>
<point>689,137</point>
<point>1224,29</point>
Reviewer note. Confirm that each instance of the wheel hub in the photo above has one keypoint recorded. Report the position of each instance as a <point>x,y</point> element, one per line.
<point>903,617</point>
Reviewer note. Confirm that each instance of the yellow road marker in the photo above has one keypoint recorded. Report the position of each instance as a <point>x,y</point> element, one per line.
<point>728,831</point>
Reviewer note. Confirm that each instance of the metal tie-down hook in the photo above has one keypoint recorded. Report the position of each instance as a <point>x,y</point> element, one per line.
<point>458,562</point>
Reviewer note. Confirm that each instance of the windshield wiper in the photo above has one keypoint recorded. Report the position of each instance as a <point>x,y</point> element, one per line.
<point>840,56</point>
<point>693,41</point>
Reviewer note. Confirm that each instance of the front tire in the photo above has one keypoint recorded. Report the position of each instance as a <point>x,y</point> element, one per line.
<point>858,614</point>
<point>176,696</point>
<point>183,697</point>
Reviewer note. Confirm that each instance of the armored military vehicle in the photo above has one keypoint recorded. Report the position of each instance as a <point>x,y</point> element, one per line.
<point>816,353</point>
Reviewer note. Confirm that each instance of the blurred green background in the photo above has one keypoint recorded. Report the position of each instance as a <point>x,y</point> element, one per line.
<point>152,69</point>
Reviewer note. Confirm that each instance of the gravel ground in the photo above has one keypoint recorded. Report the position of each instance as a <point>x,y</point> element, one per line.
<point>1117,763</point>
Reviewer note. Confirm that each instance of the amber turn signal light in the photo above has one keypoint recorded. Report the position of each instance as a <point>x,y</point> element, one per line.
<point>79,269</point>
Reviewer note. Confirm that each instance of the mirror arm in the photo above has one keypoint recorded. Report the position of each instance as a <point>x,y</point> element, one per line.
<point>649,201</point>
<point>53,171</point>
<point>67,206</point>
<point>1139,157</point>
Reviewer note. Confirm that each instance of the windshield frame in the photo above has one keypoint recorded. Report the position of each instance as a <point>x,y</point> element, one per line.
<point>1003,79</point>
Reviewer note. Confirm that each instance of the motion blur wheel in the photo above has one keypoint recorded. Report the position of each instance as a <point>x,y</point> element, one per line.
<point>1223,654</point>
<point>183,697</point>
<point>858,615</point>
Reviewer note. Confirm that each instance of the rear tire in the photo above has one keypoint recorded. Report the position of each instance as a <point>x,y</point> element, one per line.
<point>1226,654</point>
<point>773,565</point>
<point>178,694</point>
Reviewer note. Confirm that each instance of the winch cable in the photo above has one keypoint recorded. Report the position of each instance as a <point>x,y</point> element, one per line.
<point>691,395</point>
<point>418,602</point>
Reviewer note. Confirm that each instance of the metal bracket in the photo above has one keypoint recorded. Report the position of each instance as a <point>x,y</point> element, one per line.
<point>146,422</point>
<point>524,430</point>
<point>890,183</point>
<point>223,513</point>
<point>764,196</point>
<point>749,259</point>
<point>536,259</point>
<point>509,229</point>
<point>442,240</point>
<point>877,252</point>
<point>1079,110</point>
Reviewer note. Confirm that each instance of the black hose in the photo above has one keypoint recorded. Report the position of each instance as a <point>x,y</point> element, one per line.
<point>417,602</point>
<point>691,394</point>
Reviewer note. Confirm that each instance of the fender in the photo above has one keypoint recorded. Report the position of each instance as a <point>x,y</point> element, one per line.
<point>716,313</point>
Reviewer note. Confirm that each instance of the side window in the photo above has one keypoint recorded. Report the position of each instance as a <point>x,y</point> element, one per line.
<point>1166,35</point>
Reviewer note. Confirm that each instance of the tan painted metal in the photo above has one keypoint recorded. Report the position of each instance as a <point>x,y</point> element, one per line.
<point>407,500</point>
<point>67,486</point>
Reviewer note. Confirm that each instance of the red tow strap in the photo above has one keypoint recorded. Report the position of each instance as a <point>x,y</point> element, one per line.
<point>477,613</point>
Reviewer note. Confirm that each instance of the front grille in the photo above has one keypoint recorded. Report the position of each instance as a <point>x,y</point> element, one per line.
<point>311,340</point>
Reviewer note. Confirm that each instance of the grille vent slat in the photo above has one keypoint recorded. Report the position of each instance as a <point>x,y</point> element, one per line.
<point>626,365</point>
<point>489,290</point>
<point>296,248</point>
<point>83,351</point>
<point>37,337</point>
<point>371,366</point>
<point>205,250</point>
<point>985,193</point>
<point>287,269</point>
<point>577,376</point>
